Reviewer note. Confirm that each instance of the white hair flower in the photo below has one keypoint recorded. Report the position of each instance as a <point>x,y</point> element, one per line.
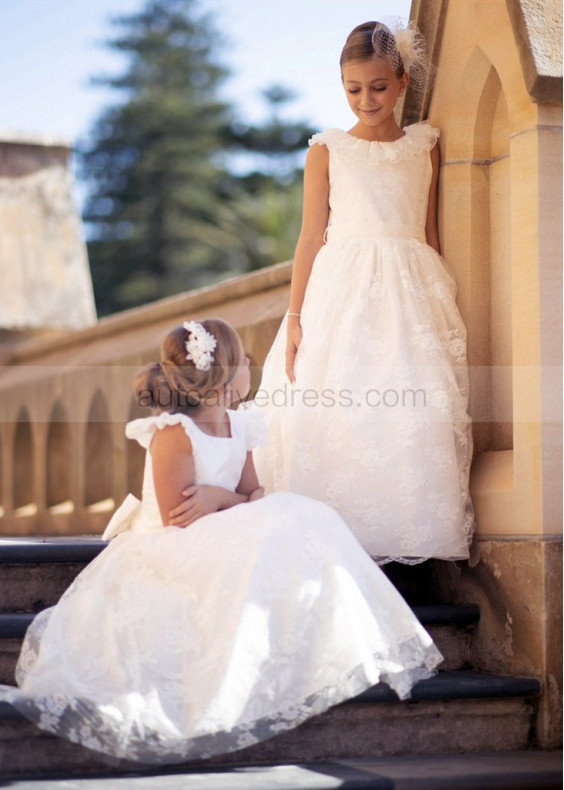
<point>200,345</point>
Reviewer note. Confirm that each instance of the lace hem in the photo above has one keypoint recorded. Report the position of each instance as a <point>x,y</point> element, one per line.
<point>468,529</point>
<point>102,729</point>
<point>418,137</point>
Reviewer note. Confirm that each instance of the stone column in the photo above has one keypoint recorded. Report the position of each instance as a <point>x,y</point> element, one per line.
<point>43,260</point>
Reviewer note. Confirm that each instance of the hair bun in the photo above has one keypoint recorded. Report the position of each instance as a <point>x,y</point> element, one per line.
<point>178,383</point>
<point>148,382</point>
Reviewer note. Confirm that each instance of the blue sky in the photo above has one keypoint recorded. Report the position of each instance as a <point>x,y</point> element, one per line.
<point>49,50</point>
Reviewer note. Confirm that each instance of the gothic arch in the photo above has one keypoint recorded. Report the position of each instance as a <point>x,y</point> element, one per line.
<point>58,458</point>
<point>98,453</point>
<point>23,463</point>
<point>479,139</point>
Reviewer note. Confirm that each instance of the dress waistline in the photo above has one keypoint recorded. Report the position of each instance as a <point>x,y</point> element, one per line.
<point>374,230</point>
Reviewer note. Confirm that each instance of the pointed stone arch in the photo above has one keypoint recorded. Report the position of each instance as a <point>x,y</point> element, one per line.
<point>24,493</point>
<point>477,174</point>
<point>98,454</point>
<point>58,481</point>
<point>493,118</point>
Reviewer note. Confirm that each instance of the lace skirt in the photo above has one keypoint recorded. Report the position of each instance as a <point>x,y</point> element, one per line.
<point>376,424</point>
<point>186,643</point>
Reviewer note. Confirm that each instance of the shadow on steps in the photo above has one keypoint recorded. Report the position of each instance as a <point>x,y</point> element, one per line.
<point>420,584</point>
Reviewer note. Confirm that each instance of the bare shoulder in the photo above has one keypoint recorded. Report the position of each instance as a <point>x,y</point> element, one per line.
<point>317,159</point>
<point>172,440</point>
<point>316,173</point>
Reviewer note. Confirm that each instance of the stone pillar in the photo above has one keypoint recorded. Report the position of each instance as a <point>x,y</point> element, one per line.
<point>500,226</point>
<point>43,260</point>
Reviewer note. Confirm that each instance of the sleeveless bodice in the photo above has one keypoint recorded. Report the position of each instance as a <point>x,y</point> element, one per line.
<point>377,187</point>
<point>218,461</point>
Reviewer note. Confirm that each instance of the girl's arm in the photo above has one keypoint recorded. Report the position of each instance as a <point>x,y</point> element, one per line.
<point>249,484</point>
<point>174,476</point>
<point>197,500</point>
<point>431,226</point>
<point>173,467</point>
<point>314,222</point>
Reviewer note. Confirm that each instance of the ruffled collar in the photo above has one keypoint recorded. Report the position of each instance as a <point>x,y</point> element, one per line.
<point>417,137</point>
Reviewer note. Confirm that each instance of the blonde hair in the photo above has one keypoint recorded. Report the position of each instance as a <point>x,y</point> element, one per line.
<point>403,47</point>
<point>361,45</point>
<point>175,384</point>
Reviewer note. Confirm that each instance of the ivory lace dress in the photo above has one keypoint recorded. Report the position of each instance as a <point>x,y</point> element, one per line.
<point>376,424</point>
<point>178,644</point>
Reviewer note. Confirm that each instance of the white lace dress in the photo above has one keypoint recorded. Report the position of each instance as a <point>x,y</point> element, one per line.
<point>178,644</point>
<point>376,424</point>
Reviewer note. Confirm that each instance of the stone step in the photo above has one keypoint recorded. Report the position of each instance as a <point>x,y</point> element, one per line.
<point>35,572</point>
<point>449,626</point>
<point>526,770</point>
<point>27,584</point>
<point>453,712</point>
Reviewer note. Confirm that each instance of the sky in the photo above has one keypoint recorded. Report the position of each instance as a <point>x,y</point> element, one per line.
<point>50,50</point>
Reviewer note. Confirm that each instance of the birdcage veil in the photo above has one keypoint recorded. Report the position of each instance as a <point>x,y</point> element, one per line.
<point>404,48</point>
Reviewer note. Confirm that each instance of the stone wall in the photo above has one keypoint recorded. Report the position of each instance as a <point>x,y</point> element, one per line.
<point>43,261</point>
<point>497,98</point>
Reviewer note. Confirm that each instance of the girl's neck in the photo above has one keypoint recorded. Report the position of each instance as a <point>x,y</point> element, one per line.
<point>213,420</point>
<point>383,133</point>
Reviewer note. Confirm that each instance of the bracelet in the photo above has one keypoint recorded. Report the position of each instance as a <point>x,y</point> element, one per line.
<point>298,314</point>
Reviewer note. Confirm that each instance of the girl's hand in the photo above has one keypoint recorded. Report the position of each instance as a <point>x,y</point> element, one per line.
<point>294,338</point>
<point>258,493</point>
<point>200,500</point>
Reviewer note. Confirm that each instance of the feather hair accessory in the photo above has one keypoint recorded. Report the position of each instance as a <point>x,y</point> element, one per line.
<point>403,46</point>
<point>200,345</point>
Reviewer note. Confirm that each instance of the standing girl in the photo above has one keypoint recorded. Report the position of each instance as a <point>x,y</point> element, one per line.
<point>216,618</point>
<point>374,421</point>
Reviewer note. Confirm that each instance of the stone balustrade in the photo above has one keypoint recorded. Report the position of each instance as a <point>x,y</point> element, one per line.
<point>65,461</point>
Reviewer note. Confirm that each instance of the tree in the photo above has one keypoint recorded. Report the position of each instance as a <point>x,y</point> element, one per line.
<point>269,194</point>
<point>167,211</point>
<point>275,143</point>
<point>155,184</point>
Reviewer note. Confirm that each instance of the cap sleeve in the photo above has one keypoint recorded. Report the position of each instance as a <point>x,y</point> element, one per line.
<point>423,135</point>
<point>255,424</point>
<point>330,138</point>
<point>144,429</point>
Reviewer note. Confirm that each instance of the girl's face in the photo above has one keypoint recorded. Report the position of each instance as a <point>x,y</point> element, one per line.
<point>372,89</point>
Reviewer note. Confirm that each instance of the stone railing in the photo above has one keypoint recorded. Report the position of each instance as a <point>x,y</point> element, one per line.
<point>64,400</point>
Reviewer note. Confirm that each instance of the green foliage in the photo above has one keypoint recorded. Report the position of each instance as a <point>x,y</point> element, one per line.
<point>166,212</point>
